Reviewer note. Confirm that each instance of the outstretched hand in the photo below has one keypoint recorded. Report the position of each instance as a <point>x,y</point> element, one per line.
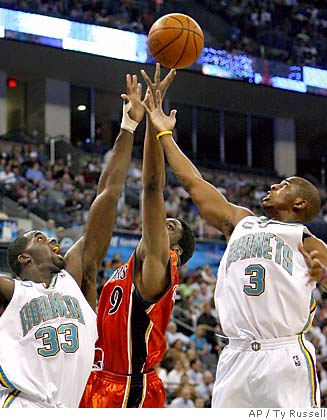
<point>153,108</point>
<point>315,267</point>
<point>157,84</point>
<point>134,97</point>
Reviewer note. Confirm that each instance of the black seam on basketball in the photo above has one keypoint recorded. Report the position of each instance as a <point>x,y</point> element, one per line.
<point>168,45</point>
<point>177,27</point>
<point>183,51</point>
<point>178,20</point>
<point>195,45</point>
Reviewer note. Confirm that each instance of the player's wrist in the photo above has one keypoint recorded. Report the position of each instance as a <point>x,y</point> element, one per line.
<point>127,123</point>
<point>163,133</point>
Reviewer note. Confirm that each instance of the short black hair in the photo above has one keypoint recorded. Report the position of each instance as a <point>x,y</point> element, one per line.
<point>187,242</point>
<point>14,250</point>
<point>311,194</point>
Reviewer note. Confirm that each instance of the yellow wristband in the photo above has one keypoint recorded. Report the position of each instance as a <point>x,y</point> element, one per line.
<point>162,133</point>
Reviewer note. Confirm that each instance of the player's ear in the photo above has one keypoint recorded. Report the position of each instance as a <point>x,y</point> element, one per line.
<point>300,204</point>
<point>178,249</point>
<point>24,259</point>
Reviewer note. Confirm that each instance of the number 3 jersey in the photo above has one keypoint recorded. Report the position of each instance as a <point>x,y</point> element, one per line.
<point>47,337</point>
<point>132,332</point>
<point>261,281</point>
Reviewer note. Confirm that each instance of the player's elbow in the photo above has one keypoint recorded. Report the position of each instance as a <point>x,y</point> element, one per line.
<point>153,186</point>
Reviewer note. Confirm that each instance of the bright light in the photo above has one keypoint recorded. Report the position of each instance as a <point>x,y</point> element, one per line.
<point>12,83</point>
<point>81,107</point>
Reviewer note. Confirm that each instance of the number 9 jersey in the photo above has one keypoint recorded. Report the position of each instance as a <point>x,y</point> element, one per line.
<point>132,337</point>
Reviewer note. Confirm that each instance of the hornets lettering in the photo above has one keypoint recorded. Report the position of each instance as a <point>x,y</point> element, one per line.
<point>262,245</point>
<point>48,307</point>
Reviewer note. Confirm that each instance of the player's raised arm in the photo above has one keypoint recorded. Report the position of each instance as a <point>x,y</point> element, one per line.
<point>314,251</point>
<point>213,206</point>
<point>85,258</point>
<point>153,250</point>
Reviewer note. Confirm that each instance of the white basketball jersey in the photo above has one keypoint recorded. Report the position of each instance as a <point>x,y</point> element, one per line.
<point>47,337</point>
<point>261,281</point>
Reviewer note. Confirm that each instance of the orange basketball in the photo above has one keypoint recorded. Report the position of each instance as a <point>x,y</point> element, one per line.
<point>175,40</point>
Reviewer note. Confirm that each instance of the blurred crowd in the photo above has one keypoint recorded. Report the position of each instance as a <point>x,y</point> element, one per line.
<point>53,191</point>
<point>290,31</point>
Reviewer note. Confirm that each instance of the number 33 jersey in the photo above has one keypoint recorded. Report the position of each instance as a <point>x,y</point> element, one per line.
<point>47,337</point>
<point>261,281</point>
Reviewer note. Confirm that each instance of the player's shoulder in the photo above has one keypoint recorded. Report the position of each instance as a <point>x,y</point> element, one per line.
<point>7,286</point>
<point>311,243</point>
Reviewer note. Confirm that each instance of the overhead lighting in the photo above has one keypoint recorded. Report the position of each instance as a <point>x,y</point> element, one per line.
<point>81,107</point>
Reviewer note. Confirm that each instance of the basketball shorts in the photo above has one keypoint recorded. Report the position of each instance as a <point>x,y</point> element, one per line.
<point>108,390</point>
<point>278,372</point>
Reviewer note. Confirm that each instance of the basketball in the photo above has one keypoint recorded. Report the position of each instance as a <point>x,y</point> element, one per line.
<point>175,40</point>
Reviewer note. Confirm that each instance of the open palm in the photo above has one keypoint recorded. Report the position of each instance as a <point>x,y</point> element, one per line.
<point>153,108</point>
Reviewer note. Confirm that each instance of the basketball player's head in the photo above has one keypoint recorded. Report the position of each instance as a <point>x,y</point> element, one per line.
<point>34,250</point>
<point>181,239</point>
<point>294,199</point>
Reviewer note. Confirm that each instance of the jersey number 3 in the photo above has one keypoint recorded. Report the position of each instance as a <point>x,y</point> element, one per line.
<point>257,275</point>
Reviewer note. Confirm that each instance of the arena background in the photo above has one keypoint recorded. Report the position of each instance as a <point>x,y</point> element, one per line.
<point>227,123</point>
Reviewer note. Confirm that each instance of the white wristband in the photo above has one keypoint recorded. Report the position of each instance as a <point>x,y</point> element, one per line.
<point>127,123</point>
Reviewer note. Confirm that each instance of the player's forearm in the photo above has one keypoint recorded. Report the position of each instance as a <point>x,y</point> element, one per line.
<point>115,172</point>
<point>153,206</point>
<point>184,169</point>
<point>153,172</point>
<point>89,290</point>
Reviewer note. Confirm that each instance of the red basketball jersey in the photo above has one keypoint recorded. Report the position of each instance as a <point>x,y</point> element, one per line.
<point>132,332</point>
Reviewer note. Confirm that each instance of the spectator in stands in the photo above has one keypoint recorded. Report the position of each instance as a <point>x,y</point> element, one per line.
<point>205,291</point>
<point>185,312</point>
<point>174,376</point>
<point>195,372</point>
<point>50,229</point>
<point>207,275</point>
<point>7,175</point>
<point>185,288</point>
<point>177,351</point>
<point>201,344</point>
<point>47,182</point>
<point>42,154</point>
<point>210,323</point>
<point>204,389</point>
<point>34,173</point>
<point>184,400</point>
<point>172,205</point>
<point>112,265</point>
<point>64,241</point>
<point>56,197</point>
<point>173,334</point>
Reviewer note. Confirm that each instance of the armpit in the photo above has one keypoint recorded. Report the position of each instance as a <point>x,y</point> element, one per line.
<point>227,227</point>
